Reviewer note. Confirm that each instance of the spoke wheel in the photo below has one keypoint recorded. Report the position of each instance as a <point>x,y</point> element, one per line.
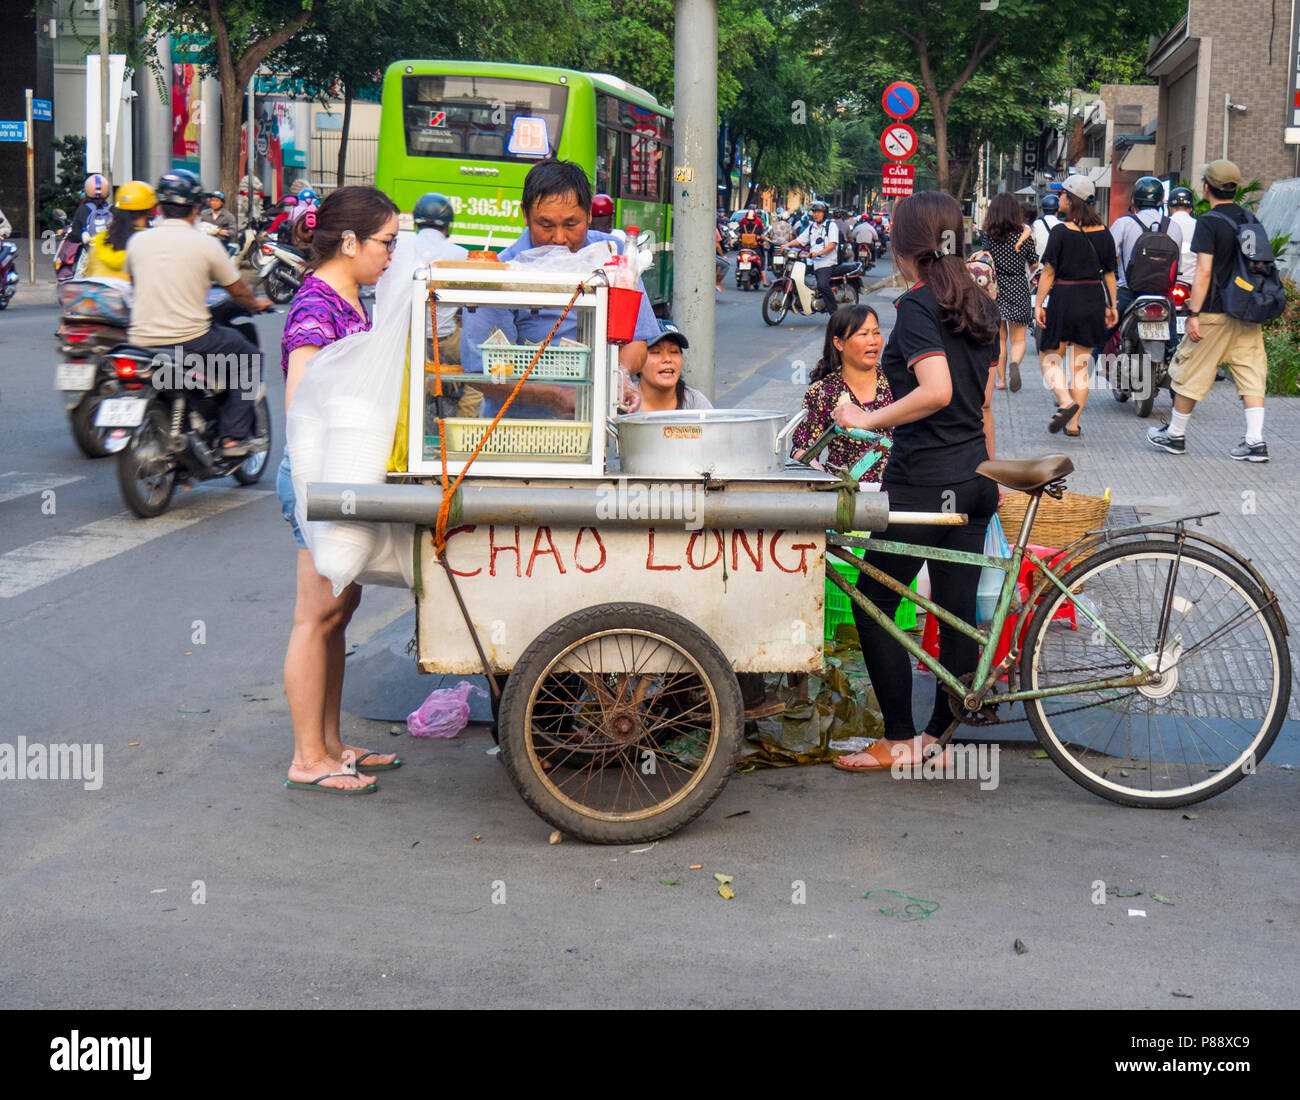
<point>146,473</point>
<point>1221,691</point>
<point>775,305</point>
<point>621,723</point>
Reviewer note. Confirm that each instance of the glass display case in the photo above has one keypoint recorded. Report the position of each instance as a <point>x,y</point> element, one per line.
<point>556,424</point>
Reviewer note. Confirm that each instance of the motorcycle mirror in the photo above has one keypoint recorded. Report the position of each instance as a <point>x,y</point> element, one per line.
<point>60,216</point>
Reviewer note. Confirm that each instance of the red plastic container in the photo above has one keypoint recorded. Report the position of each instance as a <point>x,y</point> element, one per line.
<point>624,305</point>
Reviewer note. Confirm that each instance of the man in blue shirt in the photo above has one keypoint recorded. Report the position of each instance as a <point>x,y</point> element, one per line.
<point>557,210</point>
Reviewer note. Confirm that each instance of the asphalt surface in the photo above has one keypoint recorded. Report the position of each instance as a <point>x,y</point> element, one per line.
<point>442,889</point>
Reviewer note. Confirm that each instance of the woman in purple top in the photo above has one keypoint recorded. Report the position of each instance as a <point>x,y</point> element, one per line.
<point>351,237</point>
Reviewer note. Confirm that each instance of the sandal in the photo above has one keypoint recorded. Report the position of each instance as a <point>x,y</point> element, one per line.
<point>315,785</point>
<point>360,762</point>
<point>1074,433</point>
<point>1013,377</point>
<point>1061,418</point>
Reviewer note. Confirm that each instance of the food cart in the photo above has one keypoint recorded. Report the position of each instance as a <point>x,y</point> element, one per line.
<point>614,574</point>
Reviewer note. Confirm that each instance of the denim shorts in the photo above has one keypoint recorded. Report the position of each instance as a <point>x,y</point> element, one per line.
<point>284,490</point>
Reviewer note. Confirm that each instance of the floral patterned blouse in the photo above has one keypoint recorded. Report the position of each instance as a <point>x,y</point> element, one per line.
<point>318,317</point>
<point>842,453</point>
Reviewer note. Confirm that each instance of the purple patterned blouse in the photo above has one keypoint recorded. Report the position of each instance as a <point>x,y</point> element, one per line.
<point>844,453</point>
<point>317,318</point>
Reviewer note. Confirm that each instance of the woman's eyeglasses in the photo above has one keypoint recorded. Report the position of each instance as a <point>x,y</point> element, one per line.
<point>389,243</point>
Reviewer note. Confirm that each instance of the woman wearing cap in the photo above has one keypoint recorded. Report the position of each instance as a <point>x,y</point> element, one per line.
<point>660,382</point>
<point>1079,273</point>
<point>132,209</point>
<point>937,362</point>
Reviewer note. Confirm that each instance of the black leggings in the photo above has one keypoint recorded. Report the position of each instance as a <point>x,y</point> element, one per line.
<point>952,587</point>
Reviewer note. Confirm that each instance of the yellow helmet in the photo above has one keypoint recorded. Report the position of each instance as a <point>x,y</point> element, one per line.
<point>134,195</point>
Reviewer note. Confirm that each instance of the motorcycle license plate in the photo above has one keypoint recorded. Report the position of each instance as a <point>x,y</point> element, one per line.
<point>1182,325</point>
<point>74,376</point>
<point>1153,330</point>
<point>745,265</point>
<point>121,412</point>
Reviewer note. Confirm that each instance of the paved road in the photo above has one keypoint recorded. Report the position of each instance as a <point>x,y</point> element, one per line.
<point>389,900</point>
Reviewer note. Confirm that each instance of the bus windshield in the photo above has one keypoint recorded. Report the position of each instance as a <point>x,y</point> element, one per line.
<point>481,117</point>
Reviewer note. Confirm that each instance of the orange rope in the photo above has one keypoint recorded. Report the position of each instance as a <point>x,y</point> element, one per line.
<point>440,529</point>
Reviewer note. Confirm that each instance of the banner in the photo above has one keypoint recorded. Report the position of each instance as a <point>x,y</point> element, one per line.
<point>187,112</point>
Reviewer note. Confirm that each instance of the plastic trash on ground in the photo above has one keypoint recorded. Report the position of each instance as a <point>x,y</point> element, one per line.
<point>444,713</point>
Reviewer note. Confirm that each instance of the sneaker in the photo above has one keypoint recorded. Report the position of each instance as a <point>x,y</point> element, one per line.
<point>1250,452</point>
<point>1160,437</point>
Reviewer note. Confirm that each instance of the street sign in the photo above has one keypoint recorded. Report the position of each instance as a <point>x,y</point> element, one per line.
<point>899,179</point>
<point>901,99</point>
<point>898,141</point>
<point>42,110</point>
<point>13,131</point>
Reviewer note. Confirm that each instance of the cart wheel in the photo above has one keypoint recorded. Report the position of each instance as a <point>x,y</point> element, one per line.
<point>621,723</point>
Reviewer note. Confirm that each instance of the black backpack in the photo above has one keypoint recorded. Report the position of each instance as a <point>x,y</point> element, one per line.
<point>1254,293</point>
<point>1154,261</point>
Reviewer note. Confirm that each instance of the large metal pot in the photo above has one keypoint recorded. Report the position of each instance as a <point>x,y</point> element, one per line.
<point>694,442</point>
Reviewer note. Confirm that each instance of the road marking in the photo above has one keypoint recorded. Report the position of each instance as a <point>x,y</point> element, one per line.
<point>32,483</point>
<point>49,559</point>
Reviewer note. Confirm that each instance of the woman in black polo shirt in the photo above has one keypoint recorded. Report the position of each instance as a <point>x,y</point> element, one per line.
<point>937,361</point>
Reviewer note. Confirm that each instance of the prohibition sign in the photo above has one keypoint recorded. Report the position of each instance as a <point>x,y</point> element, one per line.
<point>898,142</point>
<point>901,99</point>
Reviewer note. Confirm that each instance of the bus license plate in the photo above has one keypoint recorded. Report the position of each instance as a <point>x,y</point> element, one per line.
<point>1153,330</point>
<point>1182,325</point>
<point>74,376</point>
<point>744,265</point>
<point>121,412</point>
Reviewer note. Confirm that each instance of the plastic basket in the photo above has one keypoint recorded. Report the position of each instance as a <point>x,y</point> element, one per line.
<point>568,363</point>
<point>839,608</point>
<point>521,438</point>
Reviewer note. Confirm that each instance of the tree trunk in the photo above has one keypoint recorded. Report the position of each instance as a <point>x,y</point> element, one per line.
<point>340,177</point>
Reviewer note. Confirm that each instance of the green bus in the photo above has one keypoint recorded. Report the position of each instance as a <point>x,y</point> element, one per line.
<point>472,129</point>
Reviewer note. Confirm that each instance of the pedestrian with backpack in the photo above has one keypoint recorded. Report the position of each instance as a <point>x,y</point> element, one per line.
<point>1237,289</point>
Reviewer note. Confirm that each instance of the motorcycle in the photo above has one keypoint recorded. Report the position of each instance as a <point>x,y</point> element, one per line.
<point>779,262</point>
<point>93,319</point>
<point>866,255</point>
<point>797,292</point>
<point>66,251</point>
<point>748,264</point>
<point>8,276</point>
<point>282,271</point>
<point>1140,369</point>
<point>173,424</point>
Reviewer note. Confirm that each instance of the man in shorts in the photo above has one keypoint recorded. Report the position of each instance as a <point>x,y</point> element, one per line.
<point>1212,336</point>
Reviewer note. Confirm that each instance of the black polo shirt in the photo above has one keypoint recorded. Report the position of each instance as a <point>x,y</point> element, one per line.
<point>945,447</point>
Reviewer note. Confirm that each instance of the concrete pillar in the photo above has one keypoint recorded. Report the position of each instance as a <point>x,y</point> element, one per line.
<point>695,156</point>
<point>210,135</point>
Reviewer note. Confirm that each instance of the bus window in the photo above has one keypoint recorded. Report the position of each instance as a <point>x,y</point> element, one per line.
<point>474,117</point>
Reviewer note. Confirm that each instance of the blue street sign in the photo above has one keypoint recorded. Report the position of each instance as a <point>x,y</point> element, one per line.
<point>900,100</point>
<point>13,131</point>
<point>43,110</point>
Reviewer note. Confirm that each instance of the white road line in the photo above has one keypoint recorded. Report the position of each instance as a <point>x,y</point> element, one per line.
<point>49,559</point>
<point>31,483</point>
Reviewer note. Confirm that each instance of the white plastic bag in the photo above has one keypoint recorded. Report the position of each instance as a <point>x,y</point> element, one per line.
<point>990,585</point>
<point>340,428</point>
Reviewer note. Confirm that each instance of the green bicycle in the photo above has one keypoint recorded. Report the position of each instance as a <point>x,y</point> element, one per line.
<point>1174,682</point>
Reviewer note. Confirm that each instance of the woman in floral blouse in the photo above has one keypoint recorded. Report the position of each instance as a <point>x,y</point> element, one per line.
<point>847,373</point>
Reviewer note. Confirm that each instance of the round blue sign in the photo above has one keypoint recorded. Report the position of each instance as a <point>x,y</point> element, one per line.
<point>901,99</point>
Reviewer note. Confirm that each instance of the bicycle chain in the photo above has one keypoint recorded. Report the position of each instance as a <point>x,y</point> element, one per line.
<point>963,716</point>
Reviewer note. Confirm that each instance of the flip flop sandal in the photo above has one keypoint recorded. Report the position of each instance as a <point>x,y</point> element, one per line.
<point>854,768</point>
<point>1013,380</point>
<point>315,785</point>
<point>1061,418</point>
<point>1075,433</point>
<point>360,762</point>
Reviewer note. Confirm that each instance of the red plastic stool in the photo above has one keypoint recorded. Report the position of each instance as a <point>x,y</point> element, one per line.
<point>930,639</point>
<point>1027,571</point>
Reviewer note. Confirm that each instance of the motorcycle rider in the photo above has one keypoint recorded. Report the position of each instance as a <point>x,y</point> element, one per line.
<point>433,215</point>
<point>217,214</point>
<point>306,200</point>
<point>822,239</point>
<point>172,266</point>
<point>132,209</point>
<point>1041,227</point>
<point>602,213</point>
<point>865,233</point>
<point>1181,202</point>
<point>752,222</point>
<point>92,216</point>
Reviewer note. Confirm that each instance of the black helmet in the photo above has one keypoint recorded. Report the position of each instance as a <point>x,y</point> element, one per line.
<point>433,210</point>
<point>1148,192</point>
<point>179,187</point>
<point>1182,196</point>
<point>1051,203</point>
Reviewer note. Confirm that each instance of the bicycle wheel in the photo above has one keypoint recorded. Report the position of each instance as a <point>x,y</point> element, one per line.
<point>1225,675</point>
<point>621,723</point>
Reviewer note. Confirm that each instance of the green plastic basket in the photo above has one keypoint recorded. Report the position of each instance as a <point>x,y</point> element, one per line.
<point>839,609</point>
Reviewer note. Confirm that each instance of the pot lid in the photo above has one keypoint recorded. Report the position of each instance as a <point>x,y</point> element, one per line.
<point>703,416</point>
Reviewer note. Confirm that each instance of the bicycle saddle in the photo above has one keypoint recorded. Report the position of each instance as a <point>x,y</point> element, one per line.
<point>1029,476</point>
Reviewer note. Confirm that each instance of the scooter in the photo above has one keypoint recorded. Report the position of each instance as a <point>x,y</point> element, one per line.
<point>8,276</point>
<point>797,291</point>
<point>748,264</point>
<point>866,255</point>
<point>1140,369</point>
<point>779,263</point>
<point>282,271</point>
<point>66,250</point>
<point>93,318</point>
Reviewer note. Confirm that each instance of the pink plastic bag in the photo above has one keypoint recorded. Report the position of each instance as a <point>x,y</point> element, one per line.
<point>445,713</point>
